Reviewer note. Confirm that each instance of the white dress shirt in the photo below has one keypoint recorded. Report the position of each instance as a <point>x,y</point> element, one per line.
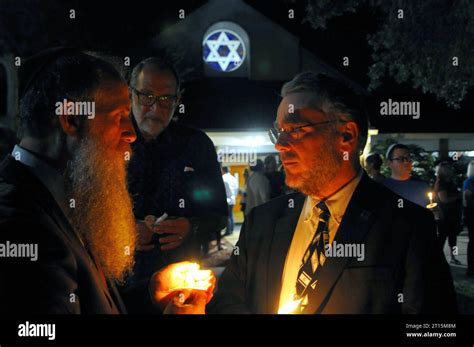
<point>304,232</point>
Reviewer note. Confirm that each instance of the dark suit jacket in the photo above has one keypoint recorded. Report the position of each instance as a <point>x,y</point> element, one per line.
<point>158,183</point>
<point>64,279</point>
<point>401,257</point>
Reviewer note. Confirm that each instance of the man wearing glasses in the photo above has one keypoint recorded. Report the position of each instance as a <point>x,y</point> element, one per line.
<point>287,260</point>
<point>400,182</point>
<point>173,170</point>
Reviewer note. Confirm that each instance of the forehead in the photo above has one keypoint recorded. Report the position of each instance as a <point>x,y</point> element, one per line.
<point>295,108</point>
<point>111,94</point>
<point>400,151</point>
<point>151,79</point>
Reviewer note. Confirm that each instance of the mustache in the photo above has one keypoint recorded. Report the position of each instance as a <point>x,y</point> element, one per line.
<point>287,156</point>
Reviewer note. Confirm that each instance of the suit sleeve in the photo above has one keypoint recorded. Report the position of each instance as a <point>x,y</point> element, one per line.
<point>47,285</point>
<point>428,286</point>
<point>232,288</point>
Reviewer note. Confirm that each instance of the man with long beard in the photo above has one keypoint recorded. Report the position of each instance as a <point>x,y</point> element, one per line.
<point>64,201</point>
<point>346,244</point>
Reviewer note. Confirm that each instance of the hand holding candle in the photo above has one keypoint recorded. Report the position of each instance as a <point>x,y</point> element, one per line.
<point>167,283</point>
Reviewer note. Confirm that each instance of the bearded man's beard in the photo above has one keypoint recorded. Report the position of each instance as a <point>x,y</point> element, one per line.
<point>325,165</point>
<point>103,211</point>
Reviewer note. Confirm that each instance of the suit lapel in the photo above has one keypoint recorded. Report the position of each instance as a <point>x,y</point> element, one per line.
<point>283,234</point>
<point>357,221</point>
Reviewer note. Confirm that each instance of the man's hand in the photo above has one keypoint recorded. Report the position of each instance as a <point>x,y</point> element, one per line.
<point>178,230</point>
<point>144,235</point>
<point>168,282</point>
<point>187,301</point>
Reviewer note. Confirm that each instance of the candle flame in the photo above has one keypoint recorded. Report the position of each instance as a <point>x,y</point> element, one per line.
<point>190,276</point>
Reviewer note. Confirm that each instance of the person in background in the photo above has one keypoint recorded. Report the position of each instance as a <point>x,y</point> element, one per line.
<point>173,170</point>
<point>373,163</point>
<point>258,187</point>
<point>400,162</point>
<point>231,189</point>
<point>243,192</point>
<point>449,199</point>
<point>275,177</point>
<point>468,204</point>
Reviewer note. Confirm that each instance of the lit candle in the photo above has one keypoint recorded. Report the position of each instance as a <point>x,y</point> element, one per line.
<point>189,276</point>
<point>432,204</point>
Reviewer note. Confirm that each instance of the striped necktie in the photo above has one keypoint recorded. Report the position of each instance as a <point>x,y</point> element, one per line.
<point>314,255</point>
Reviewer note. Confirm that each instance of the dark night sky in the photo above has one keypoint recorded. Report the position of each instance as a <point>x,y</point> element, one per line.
<point>125,30</point>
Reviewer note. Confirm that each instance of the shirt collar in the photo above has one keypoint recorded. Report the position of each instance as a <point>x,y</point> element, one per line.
<point>50,177</point>
<point>336,203</point>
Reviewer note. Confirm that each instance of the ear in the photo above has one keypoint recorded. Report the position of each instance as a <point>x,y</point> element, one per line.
<point>69,124</point>
<point>350,136</point>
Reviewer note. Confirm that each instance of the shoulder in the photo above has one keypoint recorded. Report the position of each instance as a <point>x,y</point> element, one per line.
<point>419,182</point>
<point>16,184</point>
<point>279,206</point>
<point>384,198</point>
<point>189,133</point>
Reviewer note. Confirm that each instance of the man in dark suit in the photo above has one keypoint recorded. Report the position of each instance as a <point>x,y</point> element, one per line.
<point>346,244</point>
<point>67,231</point>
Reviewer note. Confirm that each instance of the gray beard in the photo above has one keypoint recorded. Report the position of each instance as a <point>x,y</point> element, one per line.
<point>326,165</point>
<point>103,211</point>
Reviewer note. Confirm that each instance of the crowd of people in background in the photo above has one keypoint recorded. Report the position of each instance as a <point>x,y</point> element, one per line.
<point>453,204</point>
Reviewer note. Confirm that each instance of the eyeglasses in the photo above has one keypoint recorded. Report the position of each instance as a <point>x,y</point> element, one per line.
<point>402,159</point>
<point>145,99</point>
<point>295,133</point>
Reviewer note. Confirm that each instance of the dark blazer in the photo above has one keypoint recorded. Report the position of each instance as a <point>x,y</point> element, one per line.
<point>159,183</point>
<point>401,257</point>
<point>64,279</point>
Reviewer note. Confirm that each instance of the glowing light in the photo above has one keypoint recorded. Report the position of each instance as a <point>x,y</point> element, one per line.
<point>432,204</point>
<point>290,307</point>
<point>223,50</point>
<point>191,277</point>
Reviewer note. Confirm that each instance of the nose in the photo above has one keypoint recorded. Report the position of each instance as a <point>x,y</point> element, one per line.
<point>155,107</point>
<point>282,145</point>
<point>128,132</point>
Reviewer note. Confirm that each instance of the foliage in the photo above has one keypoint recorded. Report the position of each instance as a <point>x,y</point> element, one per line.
<point>418,48</point>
